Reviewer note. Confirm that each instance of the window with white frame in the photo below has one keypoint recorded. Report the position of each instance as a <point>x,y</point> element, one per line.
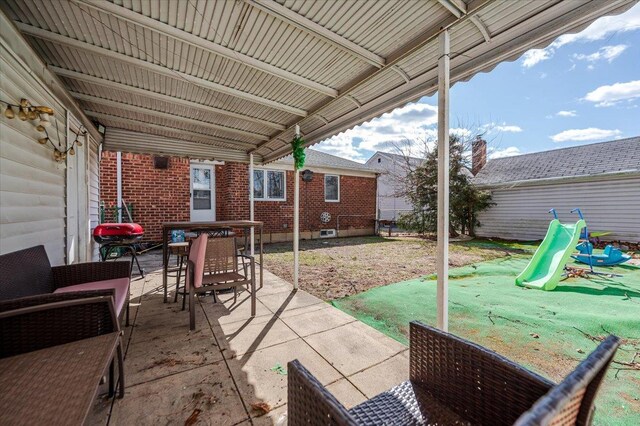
<point>269,185</point>
<point>332,188</point>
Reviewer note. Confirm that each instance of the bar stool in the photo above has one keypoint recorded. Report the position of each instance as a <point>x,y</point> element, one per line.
<point>181,251</point>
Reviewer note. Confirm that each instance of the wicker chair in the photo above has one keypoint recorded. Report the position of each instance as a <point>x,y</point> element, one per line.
<point>27,278</point>
<point>43,323</point>
<point>453,381</point>
<point>213,265</point>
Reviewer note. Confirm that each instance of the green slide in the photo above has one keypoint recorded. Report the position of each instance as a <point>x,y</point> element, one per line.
<point>545,268</point>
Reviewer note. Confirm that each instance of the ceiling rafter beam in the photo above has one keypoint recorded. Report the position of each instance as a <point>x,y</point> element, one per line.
<point>401,73</point>
<point>481,27</point>
<point>204,44</point>
<point>159,96</point>
<point>287,15</point>
<point>161,114</point>
<point>159,69</point>
<point>225,142</point>
<point>322,118</point>
<point>451,8</point>
<point>354,101</point>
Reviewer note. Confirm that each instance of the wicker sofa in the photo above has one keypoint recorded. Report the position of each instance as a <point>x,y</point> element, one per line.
<point>27,279</point>
<point>456,382</point>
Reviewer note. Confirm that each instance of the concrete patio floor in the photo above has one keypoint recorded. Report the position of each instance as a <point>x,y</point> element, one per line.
<point>217,373</point>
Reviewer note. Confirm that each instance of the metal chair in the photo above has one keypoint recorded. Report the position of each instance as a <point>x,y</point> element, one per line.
<point>181,251</point>
<point>214,265</point>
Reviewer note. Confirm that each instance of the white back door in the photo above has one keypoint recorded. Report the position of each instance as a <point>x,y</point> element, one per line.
<point>203,195</point>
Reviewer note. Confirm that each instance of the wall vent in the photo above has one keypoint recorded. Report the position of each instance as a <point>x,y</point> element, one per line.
<point>328,233</point>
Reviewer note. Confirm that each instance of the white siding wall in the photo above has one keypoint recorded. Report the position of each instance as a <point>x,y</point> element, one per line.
<point>79,241</point>
<point>390,206</point>
<point>94,194</point>
<point>32,184</point>
<point>608,205</point>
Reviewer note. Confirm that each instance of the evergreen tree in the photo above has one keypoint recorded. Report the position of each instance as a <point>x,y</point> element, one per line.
<point>465,200</point>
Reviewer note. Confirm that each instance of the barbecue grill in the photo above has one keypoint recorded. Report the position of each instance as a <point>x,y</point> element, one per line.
<point>112,236</point>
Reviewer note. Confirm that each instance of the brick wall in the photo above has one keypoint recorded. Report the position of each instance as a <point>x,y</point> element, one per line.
<point>157,195</point>
<point>163,195</point>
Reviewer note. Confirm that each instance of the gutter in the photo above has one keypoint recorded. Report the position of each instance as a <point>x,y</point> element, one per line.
<point>561,180</point>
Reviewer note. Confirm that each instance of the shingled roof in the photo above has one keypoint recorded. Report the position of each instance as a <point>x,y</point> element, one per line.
<point>316,158</point>
<point>620,156</point>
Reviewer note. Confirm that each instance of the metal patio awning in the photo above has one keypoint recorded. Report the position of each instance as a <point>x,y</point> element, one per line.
<point>222,79</point>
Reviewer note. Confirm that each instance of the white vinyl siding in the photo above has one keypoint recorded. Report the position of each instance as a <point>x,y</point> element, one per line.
<point>332,188</point>
<point>390,205</point>
<point>608,205</point>
<point>32,184</point>
<point>94,194</point>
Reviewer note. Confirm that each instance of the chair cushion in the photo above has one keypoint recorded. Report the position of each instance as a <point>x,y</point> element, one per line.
<point>196,255</point>
<point>405,404</point>
<point>121,285</point>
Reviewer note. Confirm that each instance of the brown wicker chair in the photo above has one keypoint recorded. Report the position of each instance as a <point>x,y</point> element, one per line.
<point>27,277</point>
<point>453,381</point>
<point>213,265</point>
<point>44,323</point>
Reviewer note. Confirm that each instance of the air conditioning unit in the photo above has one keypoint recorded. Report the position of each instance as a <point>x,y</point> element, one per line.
<point>328,233</point>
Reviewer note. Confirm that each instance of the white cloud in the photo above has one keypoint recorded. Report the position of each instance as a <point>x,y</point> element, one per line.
<point>609,95</point>
<point>534,56</point>
<point>404,127</point>
<point>508,128</point>
<point>507,152</point>
<point>571,113</point>
<point>342,146</point>
<point>589,134</point>
<point>598,30</point>
<point>606,53</point>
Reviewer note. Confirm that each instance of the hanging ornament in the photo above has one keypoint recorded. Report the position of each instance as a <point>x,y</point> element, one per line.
<point>9,112</point>
<point>44,120</point>
<point>297,145</point>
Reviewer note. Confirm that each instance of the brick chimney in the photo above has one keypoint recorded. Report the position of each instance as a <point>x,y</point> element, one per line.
<point>478,155</point>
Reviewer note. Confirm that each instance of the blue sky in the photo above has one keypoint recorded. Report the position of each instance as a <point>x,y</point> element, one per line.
<point>583,88</point>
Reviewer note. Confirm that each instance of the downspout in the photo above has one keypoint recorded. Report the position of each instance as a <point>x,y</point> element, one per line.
<point>251,204</point>
<point>119,185</point>
<point>375,227</point>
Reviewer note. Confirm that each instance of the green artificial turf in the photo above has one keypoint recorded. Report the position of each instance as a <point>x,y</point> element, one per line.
<point>548,332</point>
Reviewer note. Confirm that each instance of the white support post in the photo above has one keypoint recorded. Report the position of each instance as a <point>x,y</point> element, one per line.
<point>442,263</point>
<point>119,186</point>
<point>296,220</point>
<point>251,205</point>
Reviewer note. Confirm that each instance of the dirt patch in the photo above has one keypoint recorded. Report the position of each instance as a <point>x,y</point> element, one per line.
<point>332,269</point>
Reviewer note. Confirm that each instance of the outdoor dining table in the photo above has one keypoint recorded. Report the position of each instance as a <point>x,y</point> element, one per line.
<point>203,226</point>
<point>55,385</point>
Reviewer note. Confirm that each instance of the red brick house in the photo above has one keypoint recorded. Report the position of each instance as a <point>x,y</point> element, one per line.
<point>164,189</point>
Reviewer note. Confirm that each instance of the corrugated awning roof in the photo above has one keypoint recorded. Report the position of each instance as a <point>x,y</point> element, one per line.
<point>240,74</point>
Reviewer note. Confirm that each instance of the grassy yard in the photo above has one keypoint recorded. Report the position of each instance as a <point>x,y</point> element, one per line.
<point>549,332</point>
<point>335,268</point>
